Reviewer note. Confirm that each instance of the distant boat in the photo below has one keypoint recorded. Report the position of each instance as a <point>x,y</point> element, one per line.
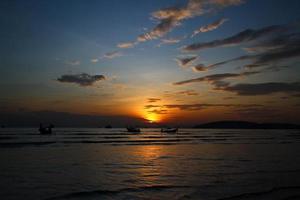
<point>46,130</point>
<point>169,130</point>
<point>108,126</point>
<point>133,129</point>
<point>2,126</point>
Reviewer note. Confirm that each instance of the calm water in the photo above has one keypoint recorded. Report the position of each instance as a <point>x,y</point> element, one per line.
<point>113,164</point>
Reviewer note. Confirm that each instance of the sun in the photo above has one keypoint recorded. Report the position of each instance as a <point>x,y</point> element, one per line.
<point>152,118</point>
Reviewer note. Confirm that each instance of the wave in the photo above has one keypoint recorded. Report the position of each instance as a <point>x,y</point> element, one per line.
<point>22,144</point>
<point>289,191</point>
<point>101,193</point>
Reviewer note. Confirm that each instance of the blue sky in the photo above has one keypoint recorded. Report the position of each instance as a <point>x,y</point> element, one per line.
<point>41,41</point>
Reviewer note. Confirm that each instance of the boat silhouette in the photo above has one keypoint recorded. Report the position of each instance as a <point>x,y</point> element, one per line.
<point>46,130</point>
<point>169,130</point>
<point>133,129</point>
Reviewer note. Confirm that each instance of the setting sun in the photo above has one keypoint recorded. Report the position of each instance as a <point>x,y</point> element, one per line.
<point>152,118</point>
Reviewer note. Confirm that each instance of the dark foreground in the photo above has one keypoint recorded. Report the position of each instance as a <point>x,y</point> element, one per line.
<point>113,164</point>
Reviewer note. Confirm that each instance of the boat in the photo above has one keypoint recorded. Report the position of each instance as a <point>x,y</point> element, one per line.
<point>46,130</point>
<point>169,130</point>
<point>108,126</point>
<point>133,129</point>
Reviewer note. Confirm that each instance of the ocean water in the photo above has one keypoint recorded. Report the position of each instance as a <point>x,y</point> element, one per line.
<point>202,164</point>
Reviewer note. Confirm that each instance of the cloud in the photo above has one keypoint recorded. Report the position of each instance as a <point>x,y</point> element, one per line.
<point>198,106</point>
<point>244,36</point>
<point>169,18</point>
<point>201,106</point>
<point>153,100</point>
<point>169,41</point>
<point>224,3</point>
<point>216,78</point>
<point>151,106</point>
<point>72,62</point>
<point>262,88</point>
<point>82,79</point>
<point>269,52</point>
<point>200,68</point>
<point>296,95</point>
<point>229,98</point>
<point>284,53</point>
<point>255,112</point>
<point>188,92</point>
<point>160,30</point>
<point>240,58</point>
<point>273,43</point>
<point>209,27</point>
<point>113,54</point>
<point>184,62</point>
<point>126,45</point>
<point>94,60</point>
<point>158,112</point>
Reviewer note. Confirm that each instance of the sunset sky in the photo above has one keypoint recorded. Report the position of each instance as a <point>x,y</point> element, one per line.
<point>165,61</point>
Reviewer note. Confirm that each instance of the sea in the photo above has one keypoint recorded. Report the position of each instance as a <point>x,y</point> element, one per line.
<point>201,164</point>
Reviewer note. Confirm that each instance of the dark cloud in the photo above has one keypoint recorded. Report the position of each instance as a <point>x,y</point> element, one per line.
<point>188,92</point>
<point>200,68</point>
<point>217,79</point>
<point>244,36</point>
<point>158,112</point>
<point>229,98</point>
<point>262,88</point>
<point>81,79</point>
<point>276,42</point>
<point>268,53</point>
<point>296,95</point>
<point>151,106</point>
<point>262,112</point>
<point>240,58</point>
<point>153,100</point>
<point>184,62</point>
<point>199,106</point>
<point>274,56</point>
<point>194,107</point>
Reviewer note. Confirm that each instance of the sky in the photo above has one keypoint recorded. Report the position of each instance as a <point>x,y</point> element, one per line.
<point>171,61</point>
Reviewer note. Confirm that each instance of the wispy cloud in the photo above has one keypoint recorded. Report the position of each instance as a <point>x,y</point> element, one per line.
<point>169,41</point>
<point>244,36</point>
<point>113,54</point>
<point>126,45</point>
<point>268,53</point>
<point>72,62</point>
<point>200,68</point>
<point>82,79</point>
<point>94,60</point>
<point>151,106</point>
<point>209,27</point>
<point>153,100</point>
<point>201,106</point>
<point>188,92</point>
<point>158,111</point>
<point>269,56</point>
<point>184,62</point>
<point>216,78</point>
<point>169,18</point>
<point>246,89</point>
